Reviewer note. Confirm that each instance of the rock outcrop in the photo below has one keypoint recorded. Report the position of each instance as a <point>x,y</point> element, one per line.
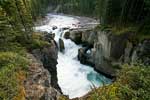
<point>38,85</point>
<point>102,49</point>
<point>74,35</point>
<point>48,56</point>
<point>61,45</point>
<point>141,53</point>
<point>42,82</point>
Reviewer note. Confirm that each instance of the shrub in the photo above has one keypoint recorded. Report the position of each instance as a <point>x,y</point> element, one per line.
<point>132,84</point>
<point>10,65</point>
<point>13,47</point>
<point>36,41</point>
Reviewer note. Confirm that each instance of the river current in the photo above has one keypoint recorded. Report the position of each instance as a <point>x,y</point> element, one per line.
<point>74,78</point>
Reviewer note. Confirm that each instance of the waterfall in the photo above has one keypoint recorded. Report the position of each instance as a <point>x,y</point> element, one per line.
<point>74,78</point>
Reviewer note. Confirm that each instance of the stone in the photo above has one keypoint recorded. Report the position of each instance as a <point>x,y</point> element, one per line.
<point>48,56</point>
<point>142,53</point>
<point>107,48</point>
<point>76,36</point>
<point>38,83</point>
<point>54,27</point>
<point>67,35</point>
<point>61,45</point>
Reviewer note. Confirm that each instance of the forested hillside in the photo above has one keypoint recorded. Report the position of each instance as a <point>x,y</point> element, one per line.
<point>17,38</point>
<point>121,14</point>
<point>16,28</point>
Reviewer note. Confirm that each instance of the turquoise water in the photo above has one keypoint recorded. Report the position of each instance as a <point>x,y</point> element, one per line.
<point>74,78</point>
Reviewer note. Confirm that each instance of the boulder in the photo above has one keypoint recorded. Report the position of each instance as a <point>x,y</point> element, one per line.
<point>54,27</point>
<point>66,28</point>
<point>67,35</point>
<point>81,56</point>
<point>76,36</point>
<point>85,57</point>
<point>61,45</point>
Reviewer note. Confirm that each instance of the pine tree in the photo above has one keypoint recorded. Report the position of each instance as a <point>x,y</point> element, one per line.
<point>6,29</point>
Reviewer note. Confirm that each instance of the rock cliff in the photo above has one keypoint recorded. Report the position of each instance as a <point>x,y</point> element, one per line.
<point>42,82</point>
<point>106,51</point>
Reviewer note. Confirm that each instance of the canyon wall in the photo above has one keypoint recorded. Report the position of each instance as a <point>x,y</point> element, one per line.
<point>42,82</point>
<point>106,51</point>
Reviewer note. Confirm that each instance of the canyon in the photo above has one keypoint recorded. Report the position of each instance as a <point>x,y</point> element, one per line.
<point>82,56</point>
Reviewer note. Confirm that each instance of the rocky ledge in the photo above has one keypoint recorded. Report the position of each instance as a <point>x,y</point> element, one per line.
<point>42,82</point>
<point>106,51</point>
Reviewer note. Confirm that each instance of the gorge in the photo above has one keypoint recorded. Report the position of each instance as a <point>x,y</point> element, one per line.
<point>74,49</point>
<point>74,78</point>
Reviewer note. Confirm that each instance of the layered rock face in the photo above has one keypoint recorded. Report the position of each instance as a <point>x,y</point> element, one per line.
<point>38,85</point>
<point>48,56</point>
<point>42,82</point>
<point>106,51</point>
<point>61,45</point>
<point>141,53</point>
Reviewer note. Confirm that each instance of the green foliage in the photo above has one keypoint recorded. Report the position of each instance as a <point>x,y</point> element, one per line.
<point>13,47</point>
<point>132,84</point>
<point>7,58</point>
<point>39,7</point>
<point>15,39</point>
<point>36,41</point>
<point>116,13</point>
<point>10,65</point>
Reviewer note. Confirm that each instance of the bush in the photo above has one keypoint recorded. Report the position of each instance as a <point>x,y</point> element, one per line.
<point>11,64</point>
<point>36,41</point>
<point>36,44</point>
<point>132,84</point>
<point>7,58</point>
<point>13,47</point>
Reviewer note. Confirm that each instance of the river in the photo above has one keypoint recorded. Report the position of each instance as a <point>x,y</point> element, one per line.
<point>74,78</point>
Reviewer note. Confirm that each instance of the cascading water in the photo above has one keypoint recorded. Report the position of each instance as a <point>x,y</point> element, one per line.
<point>74,78</point>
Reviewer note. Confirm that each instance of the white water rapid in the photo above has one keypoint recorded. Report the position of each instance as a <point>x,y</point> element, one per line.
<point>74,78</point>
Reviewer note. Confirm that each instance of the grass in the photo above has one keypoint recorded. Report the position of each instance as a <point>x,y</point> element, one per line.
<point>132,84</point>
<point>13,47</point>
<point>11,65</point>
<point>14,64</point>
<point>121,30</point>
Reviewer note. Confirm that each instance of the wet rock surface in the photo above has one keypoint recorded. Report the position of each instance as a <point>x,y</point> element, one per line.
<point>76,36</point>
<point>61,45</point>
<point>67,35</point>
<point>111,50</point>
<point>103,49</point>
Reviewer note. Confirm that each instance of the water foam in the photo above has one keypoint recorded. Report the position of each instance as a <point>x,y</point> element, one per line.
<point>74,78</point>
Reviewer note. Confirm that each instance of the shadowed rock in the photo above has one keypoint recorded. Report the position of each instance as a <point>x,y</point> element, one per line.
<point>61,45</point>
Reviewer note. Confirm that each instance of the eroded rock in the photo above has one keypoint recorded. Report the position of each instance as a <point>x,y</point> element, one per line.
<point>108,49</point>
<point>76,36</point>
<point>61,45</point>
<point>35,87</point>
<point>67,35</point>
